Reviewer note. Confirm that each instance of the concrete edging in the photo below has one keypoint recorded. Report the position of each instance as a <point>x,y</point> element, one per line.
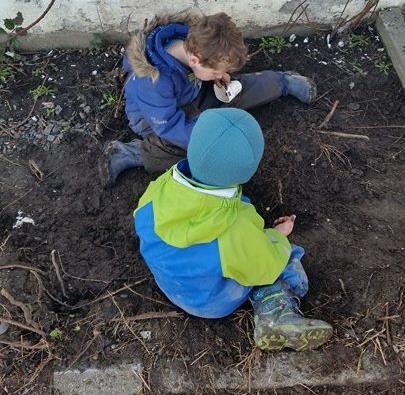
<point>391,27</point>
<point>276,371</point>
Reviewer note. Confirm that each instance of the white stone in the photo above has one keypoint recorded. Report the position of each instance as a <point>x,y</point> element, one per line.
<point>115,380</point>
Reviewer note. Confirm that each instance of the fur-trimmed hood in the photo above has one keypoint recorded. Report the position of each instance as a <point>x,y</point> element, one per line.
<point>136,55</point>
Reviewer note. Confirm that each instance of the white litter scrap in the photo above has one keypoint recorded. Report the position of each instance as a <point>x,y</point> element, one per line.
<point>322,62</point>
<point>351,85</point>
<point>306,40</point>
<point>20,220</point>
<point>341,44</point>
<point>328,41</point>
<point>146,335</point>
<point>292,38</point>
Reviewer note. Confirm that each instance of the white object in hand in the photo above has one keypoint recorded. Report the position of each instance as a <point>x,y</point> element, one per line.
<point>227,93</point>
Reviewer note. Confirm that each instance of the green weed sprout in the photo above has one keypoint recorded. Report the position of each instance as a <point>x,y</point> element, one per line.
<point>6,73</point>
<point>109,100</point>
<point>383,67</point>
<point>358,40</point>
<point>274,44</point>
<point>42,90</point>
<point>56,334</point>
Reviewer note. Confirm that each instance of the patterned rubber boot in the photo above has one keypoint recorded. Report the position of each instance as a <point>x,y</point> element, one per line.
<point>303,88</point>
<point>279,323</point>
<point>116,158</point>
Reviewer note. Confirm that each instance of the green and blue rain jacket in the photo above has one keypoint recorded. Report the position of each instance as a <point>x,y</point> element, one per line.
<point>206,247</point>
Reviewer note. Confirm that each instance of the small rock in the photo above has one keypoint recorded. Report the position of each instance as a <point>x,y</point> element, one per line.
<point>58,109</point>
<point>351,85</point>
<point>357,172</point>
<point>3,327</point>
<point>306,40</point>
<point>353,106</point>
<point>48,129</point>
<point>341,44</point>
<point>94,72</point>
<point>146,335</point>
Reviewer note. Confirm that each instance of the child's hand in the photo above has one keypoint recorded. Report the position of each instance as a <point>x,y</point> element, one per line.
<point>284,225</point>
<point>224,80</point>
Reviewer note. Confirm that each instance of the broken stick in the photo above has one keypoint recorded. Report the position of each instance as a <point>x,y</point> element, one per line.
<point>346,135</point>
<point>330,115</point>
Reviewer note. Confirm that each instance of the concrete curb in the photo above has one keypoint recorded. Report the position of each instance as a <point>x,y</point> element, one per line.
<point>81,40</point>
<point>391,27</point>
<point>115,380</point>
<point>276,371</point>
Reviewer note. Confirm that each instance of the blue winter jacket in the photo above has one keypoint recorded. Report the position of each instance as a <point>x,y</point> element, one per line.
<point>159,85</point>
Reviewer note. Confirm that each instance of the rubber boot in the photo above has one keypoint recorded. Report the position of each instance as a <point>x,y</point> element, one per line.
<point>303,88</point>
<point>116,158</point>
<point>279,323</point>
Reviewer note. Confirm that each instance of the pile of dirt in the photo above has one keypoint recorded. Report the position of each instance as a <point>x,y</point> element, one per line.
<point>84,281</point>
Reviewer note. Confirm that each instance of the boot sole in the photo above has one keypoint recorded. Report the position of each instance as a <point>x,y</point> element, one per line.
<point>313,92</point>
<point>307,339</point>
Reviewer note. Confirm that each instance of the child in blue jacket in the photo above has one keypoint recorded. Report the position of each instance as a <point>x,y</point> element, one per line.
<point>172,65</point>
<point>207,246</point>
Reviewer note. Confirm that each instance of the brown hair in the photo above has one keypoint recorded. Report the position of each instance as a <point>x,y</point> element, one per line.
<point>216,40</point>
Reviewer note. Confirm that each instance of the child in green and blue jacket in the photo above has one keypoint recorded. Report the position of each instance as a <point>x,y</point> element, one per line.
<point>207,246</point>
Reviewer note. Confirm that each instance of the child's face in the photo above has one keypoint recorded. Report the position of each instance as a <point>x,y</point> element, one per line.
<point>204,73</point>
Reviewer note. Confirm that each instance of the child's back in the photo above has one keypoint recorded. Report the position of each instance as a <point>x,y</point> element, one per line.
<point>206,245</point>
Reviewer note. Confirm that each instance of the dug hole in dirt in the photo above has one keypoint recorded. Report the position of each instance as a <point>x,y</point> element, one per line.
<point>74,264</point>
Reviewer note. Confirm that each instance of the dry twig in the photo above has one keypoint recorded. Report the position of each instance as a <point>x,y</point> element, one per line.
<point>152,315</point>
<point>330,115</point>
<point>118,106</point>
<point>96,335</point>
<point>288,26</point>
<point>23,267</point>
<point>109,294</point>
<point>37,372</point>
<point>21,305</point>
<point>378,127</point>
<point>22,326</point>
<point>345,135</point>
<point>25,29</point>
<point>128,326</point>
<point>38,346</point>
<point>35,170</point>
<point>57,271</point>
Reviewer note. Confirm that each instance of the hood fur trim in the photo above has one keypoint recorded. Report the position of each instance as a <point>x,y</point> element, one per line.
<point>136,48</point>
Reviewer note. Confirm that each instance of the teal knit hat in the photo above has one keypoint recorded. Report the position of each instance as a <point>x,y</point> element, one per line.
<point>225,148</point>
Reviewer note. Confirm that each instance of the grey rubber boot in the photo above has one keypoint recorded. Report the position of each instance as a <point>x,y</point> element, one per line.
<point>303,88</point>
<point>279,323</point>
<point>116,158</point>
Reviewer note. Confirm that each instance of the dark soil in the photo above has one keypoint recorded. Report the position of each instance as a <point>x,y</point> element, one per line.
<point>347,193</point>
